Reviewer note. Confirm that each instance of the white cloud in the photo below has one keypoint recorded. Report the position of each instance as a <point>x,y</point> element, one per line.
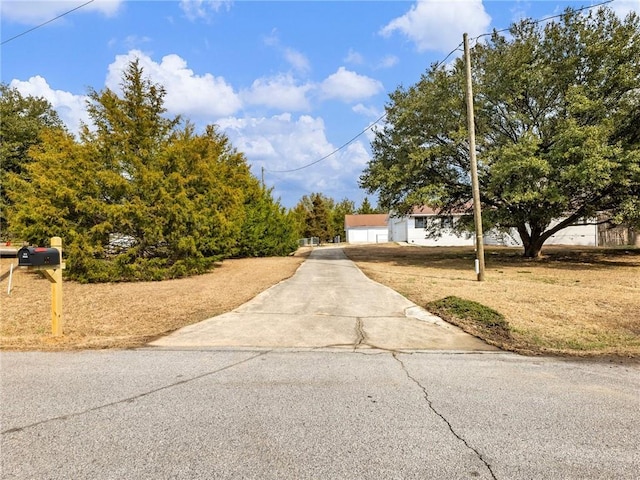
<point>354,58</point>
<point>273,39</point>
<point>348,86</point>
<point>281,143</point>
<point>70,107</point>
<point>624,7</point>
<point>371,112</point>
<point>35,12</point>
<point>439,25</point>
<point>281,91</point>
<point>357,155</point>
<point>297,60</point>
<point>203,9</point>
<point>134,41</point>
<point>187,93</point>
<point>388,61</point>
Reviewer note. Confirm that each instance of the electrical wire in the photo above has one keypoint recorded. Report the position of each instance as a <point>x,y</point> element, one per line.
<point>47,22</point>
<point>435,66</point>
<point>541,20</point>
<point>371,125</point>
<point>334,152</point>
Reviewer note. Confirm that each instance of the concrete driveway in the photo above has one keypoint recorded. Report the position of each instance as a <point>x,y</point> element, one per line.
<point>328,303</point>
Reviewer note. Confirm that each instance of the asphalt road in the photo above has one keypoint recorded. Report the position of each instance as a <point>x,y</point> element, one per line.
<point>305,414</point>
<point>345,380</point>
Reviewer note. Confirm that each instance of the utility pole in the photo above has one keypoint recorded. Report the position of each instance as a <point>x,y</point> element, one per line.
<point>477,213</point>
<point>263,178</point>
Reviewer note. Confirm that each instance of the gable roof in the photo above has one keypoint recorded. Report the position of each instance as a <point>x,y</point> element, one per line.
<point>423,210</point>
<point>366,220</point>
<point>426,210</point>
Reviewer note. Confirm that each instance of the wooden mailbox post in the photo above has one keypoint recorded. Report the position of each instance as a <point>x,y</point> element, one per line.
<point>49,262</point>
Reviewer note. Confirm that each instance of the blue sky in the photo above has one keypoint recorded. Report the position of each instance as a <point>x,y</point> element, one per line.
<point>289,81</point>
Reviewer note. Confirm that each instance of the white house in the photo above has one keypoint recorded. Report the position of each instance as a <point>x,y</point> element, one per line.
<point>583,232</point>
<point>411,229</point>
<point>369,228</point>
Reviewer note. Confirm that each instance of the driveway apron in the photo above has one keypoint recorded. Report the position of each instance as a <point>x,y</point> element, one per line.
<point>328,303</point>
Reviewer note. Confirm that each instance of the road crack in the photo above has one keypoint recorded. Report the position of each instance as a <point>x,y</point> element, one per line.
<point>360,335</point>
<point>133,398</point>
<point>443,418</point>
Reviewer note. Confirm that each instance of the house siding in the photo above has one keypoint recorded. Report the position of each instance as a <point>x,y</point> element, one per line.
<point>403,229</point>
<point>367,235</point>
<point>367,228</point>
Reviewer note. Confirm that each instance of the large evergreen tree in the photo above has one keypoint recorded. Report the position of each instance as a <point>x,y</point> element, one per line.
<point>314,216</point>
<point>22,120</point>
<point>142,197</point>
<point>268,229</point>
<point>557,127</point>
<point>340,210</point>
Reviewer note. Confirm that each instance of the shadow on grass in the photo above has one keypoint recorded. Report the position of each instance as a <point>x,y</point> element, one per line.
<point>561,257</point>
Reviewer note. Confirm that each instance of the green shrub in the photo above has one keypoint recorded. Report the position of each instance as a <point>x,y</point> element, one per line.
<point>469,310</point>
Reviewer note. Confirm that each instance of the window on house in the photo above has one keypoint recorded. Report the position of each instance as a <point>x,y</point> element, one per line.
<point>446,222</point>
<point>421,222</point>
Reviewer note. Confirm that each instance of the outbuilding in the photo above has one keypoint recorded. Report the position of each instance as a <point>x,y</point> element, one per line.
<point>367,228</point>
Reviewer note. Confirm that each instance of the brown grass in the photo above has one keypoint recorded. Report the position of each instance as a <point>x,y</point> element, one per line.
<point>127,315</point>
<point>574,301</point>
<point>579,301</point>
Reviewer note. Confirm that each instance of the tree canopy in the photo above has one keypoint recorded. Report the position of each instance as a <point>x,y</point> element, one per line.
<point>22,120</point>
<point>557,111</point>
<point>320,216</point>
<point>141,195</point>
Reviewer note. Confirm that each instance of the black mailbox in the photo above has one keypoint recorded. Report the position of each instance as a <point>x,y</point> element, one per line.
<point>38,256</point>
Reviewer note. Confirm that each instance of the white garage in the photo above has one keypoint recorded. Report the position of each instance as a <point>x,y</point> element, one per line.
<point>370,228</point>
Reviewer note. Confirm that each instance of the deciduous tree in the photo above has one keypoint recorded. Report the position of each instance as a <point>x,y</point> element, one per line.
<point>557,129</point>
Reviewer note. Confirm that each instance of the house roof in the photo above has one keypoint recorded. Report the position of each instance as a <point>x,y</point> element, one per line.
<point>426,210</point>
<point>366,220</point>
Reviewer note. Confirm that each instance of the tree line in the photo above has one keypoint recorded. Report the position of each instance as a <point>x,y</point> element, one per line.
<point>140,195</point>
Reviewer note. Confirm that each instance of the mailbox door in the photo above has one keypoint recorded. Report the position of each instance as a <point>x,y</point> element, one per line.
<point>24,257</point>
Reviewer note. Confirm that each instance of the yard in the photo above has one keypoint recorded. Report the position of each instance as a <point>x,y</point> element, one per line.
<point>575,301</point>
<point>128,315</point>
<point>578,301</point>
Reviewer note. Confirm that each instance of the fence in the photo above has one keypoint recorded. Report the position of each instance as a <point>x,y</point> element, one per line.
<point>614,236</point>
<point>309,242</point>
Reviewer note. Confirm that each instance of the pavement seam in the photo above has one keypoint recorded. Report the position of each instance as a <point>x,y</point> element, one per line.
<point>131,399</point>
<point>360,334</point>
<point>433,409</point>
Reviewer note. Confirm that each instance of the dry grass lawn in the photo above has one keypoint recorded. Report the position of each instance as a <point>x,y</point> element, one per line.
<point>578,302</point>
<point>126,315</point>
<point>574,301</point>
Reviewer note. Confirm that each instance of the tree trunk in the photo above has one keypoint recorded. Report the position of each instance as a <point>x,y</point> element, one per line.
<point>532,241</point>
<point>533,249</point>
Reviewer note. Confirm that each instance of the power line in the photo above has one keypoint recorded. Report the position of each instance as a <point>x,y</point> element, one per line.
<point>334,152</point>
<point>371,125</point>
<point>540,20</point>
<point>436,65</point>
<point>47,22</point>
